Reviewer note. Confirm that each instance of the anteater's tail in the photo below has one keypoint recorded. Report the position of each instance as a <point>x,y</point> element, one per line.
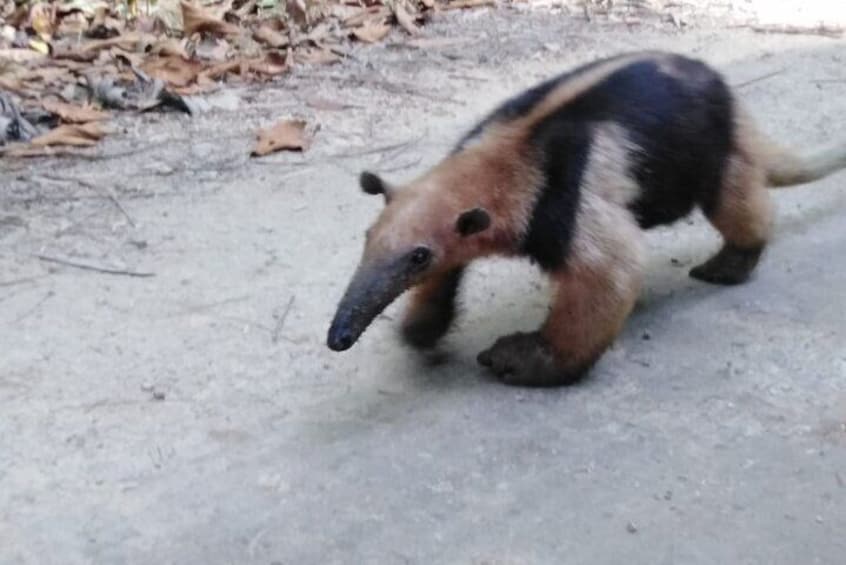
<point>786,168</point>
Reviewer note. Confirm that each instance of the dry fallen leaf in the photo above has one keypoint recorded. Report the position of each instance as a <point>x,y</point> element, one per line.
<point>127,42</point>
<point>175,71</point>
<point>316,56</point>
<point>364,15</point>
<point>270,37</point>
<point>73,25</point>
<point>462,4</point>
<point>405,19</point>
<point>28,151</point>
<point>298,11</point>
<point>197,20</point>
<point>371,31</point>
<point>272,64</point>
<point>169,47</point>
<point>13,85</point>
<point>80,135</point>
<point>39,46</point>
<point>319,33</point>
<point>19,55</point>
<point>42,19</point>
<point>219,71</point>
<point>63,51</point>
<point>285,135</point>
<point>248,8</point>
<point>89,51</point>
<point>167,16</point>
<point>123,57</point>
<point>71,113</point>
<point>104,26</point>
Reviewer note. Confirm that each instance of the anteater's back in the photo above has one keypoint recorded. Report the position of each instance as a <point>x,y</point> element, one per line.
<point>676,114</point>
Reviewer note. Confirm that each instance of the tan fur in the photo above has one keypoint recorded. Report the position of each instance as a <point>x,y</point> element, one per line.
<point>495,174</point>
<point>424,294</point>
<point>782,167</point>
<point>607,173</point>
<point>595,294</point>
<point>744,211</point>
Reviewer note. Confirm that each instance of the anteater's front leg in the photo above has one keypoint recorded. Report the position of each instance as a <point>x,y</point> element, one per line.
<point>594,294</point>
<point>431,309</point>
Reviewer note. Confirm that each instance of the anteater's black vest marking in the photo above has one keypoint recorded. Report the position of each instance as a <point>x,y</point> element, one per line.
<point>681,125</point>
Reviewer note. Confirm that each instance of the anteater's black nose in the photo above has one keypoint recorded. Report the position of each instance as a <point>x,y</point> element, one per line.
<point>339,340</point>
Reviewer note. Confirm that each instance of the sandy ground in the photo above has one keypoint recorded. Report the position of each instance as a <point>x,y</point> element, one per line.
<point>196,416</point>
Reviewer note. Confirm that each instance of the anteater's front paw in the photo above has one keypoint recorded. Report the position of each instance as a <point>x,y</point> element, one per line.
<point>423,327</point>
<point>524,359</point>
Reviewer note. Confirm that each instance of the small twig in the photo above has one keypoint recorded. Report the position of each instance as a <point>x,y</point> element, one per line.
<point>402,166</point>
<point>86,267</point>
<point>113,198</point>
<point>407,89</point>
<point>15,282</point>
<point>197,308</point>
<point>108,194</point>
<point>392,87</point>
<point>389,156</point>
<point>463,4</point>
<point>251,547</point>
<point>831,32</point>
<point>758,79</point>
<point>468,77</point>
<point>38,304</point>
<point>36,152</point>
<point>280,323</point>
<point>382,149</point>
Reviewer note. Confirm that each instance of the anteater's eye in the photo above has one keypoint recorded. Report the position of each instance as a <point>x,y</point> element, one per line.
<point>420,256</point>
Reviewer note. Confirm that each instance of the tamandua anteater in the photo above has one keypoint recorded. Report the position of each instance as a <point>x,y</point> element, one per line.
<point>569,173</point>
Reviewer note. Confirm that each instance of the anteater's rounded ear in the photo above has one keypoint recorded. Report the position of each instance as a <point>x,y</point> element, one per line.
<point>371,183</point>
<point>472,221</point>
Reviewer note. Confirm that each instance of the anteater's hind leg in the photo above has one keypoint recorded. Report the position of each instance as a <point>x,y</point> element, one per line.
<point>743,215</point>
<point>594,295</point>
<point>431,309</point>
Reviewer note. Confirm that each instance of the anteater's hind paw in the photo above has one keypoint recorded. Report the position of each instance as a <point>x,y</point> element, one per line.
<point>526,359</point>
<point>732,265</point>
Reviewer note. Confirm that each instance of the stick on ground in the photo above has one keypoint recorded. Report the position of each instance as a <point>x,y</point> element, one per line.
<point>86,267</point>
<point>758,79</point>
<point>281,322</point>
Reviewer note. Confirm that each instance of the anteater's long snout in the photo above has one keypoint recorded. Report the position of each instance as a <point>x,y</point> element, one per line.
<point>371,290</point>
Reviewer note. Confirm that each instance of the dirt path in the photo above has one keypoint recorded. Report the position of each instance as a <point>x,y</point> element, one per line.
<point>195,416</point>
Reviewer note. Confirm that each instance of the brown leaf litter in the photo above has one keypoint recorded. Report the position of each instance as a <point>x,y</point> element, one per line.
<point>71,113</point>
<point>286,135</point>
<point>78,135</point>
<point>64,62</point>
